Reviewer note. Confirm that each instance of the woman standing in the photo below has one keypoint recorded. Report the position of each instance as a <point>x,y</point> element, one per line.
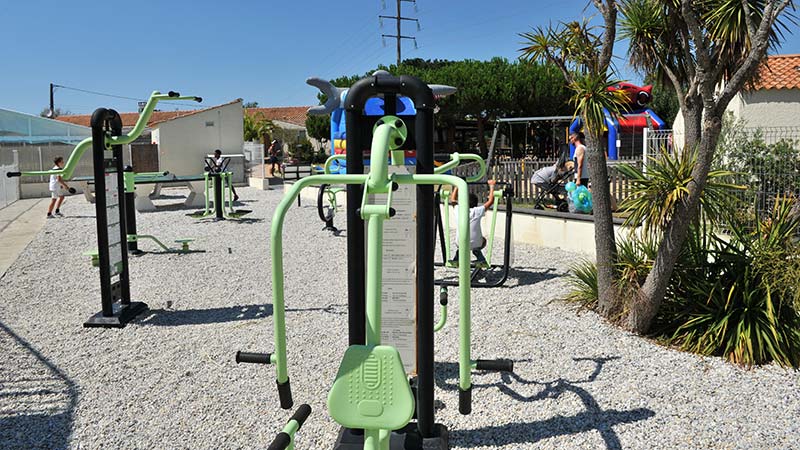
<point>582,174</point>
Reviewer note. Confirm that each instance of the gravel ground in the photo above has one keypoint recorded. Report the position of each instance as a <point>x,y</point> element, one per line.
<point>169,380</point>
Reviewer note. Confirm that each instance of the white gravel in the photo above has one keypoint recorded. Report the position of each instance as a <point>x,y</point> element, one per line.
<point>169,380</point>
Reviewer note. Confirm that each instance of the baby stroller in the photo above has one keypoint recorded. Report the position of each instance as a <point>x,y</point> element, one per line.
<point>551,181</point>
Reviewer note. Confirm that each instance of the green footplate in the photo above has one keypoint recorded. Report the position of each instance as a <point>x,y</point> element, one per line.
<point>371,390</point>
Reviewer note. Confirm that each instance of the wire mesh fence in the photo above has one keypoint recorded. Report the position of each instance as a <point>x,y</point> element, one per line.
<point>766,161</point>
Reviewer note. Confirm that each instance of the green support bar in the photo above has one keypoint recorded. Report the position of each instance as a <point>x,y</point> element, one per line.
<point>80,149</point>
<point>455,160</point>
<point>497,196</point>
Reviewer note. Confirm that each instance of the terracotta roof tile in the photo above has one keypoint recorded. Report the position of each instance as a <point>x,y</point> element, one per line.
<point>780,72</point>
<point>129,119</point>
<point>292,114</point>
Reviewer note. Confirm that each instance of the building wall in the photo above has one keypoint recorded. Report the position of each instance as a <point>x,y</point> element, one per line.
<point>760,109</point>
<point>185,141</point>
<point>768,108</point>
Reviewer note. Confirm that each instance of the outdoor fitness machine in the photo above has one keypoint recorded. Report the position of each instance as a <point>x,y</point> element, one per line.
<point>111,206</point>
<point>499,271</point>
<point>220,181</point>
<point>371,396</point>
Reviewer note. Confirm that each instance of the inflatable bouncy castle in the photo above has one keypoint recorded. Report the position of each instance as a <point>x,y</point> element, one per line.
<point>334,106</point>
<point>624,132</point>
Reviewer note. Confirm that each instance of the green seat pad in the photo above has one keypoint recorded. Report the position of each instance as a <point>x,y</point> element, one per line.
<point>371,390</point>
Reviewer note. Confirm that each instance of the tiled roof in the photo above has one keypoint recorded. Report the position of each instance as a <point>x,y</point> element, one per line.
<point>129,119</point>
<point>780,72</point>
<point>292,114</point>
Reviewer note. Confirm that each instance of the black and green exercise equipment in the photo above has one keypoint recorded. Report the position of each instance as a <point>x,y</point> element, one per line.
<point>111,206</point>
<point>219,180</point>
<point>327,206</point>
<point>371,397</point>
<point>484,274</point>
<point>285,439</point>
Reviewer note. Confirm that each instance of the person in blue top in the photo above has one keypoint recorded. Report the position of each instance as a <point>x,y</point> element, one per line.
<point>476,240</point>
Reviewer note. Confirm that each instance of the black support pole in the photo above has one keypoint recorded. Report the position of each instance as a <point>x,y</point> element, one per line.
<point>426,242</point>
<point>219,208</point>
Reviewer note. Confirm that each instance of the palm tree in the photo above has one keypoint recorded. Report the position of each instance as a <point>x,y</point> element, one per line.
<point>584,57</point>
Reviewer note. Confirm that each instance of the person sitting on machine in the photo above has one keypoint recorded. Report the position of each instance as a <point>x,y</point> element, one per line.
<point>476,240</point>
<point>219,165</point>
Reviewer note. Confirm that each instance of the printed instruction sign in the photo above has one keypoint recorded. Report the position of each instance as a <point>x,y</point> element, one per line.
<point>399,290</point>
<point>112,222</point>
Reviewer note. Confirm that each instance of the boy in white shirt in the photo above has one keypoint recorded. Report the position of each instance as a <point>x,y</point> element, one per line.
<point>476,212</point>
<point>56,193</point>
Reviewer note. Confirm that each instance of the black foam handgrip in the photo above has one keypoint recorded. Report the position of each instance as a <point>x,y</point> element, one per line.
<point>465,401</point>
<point>496,365</point>
<point>443,297</point>
<point>281,442</point>
<point>165,173</point>
<point>173,94</point>
<point>198,99</point>
<point>253,358</point>
<point>13,174</point>
<point>301,415</point>
<point>72,190</point>
<point>285,394</point>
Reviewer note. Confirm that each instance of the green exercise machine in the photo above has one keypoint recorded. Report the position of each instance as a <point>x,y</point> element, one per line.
<point>111,206</point>
<point>219,181</point>
<point>371,397</point>
<point>327,206</point>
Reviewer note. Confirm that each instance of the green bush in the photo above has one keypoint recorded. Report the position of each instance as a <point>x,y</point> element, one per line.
<point>736,297</point>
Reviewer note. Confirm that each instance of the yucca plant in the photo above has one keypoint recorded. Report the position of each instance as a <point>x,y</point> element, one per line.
<point>654,196</point>
<point>742,323</point>
<point>582,282</point>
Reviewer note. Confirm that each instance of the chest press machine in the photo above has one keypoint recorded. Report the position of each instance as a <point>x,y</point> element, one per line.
<point>371,396</point>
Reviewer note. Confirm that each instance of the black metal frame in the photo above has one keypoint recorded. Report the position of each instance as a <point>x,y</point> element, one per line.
<point>425,432</point>
<point>327,218</point>
<point>117,307</point>
<point>505,267</point>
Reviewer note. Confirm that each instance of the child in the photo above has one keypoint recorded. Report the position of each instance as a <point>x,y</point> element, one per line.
<point>476,212</point>
<point>219,162</point>
<point>56,194</point>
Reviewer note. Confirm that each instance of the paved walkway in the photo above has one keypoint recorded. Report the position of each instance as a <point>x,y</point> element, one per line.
<point>19,223</point>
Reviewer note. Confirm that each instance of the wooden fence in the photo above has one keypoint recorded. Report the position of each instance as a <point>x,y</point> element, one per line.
<point>518,174</point>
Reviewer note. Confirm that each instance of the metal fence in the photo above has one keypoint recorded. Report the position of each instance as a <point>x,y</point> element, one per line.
<point>254,158</point>
<point>9,187</point>
<point>766,161</point>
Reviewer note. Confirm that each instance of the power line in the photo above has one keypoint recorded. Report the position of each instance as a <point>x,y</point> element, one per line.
<point>122,97</point>
<point>399,20</point>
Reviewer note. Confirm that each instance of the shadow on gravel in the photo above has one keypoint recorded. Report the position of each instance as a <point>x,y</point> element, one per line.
<point>593,418</point>
<point>169,317</point>
<point>36,411</point>
<point>522,276</point>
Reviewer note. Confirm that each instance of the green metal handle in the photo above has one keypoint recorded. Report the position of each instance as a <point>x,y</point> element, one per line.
<point>136,131</point>
<point>327,166</point>
<point>457,158</point>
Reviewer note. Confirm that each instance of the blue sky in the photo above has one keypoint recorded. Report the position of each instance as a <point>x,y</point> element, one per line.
<point>257,50</point>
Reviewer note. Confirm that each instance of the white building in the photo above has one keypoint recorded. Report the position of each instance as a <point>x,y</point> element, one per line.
<point>774,101</point>
<point>183,141</point>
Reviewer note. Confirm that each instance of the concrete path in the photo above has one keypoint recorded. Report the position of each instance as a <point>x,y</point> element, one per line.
<point>19,223</point>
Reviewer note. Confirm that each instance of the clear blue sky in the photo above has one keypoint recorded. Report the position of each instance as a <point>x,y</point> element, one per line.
<point>257,50</point>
